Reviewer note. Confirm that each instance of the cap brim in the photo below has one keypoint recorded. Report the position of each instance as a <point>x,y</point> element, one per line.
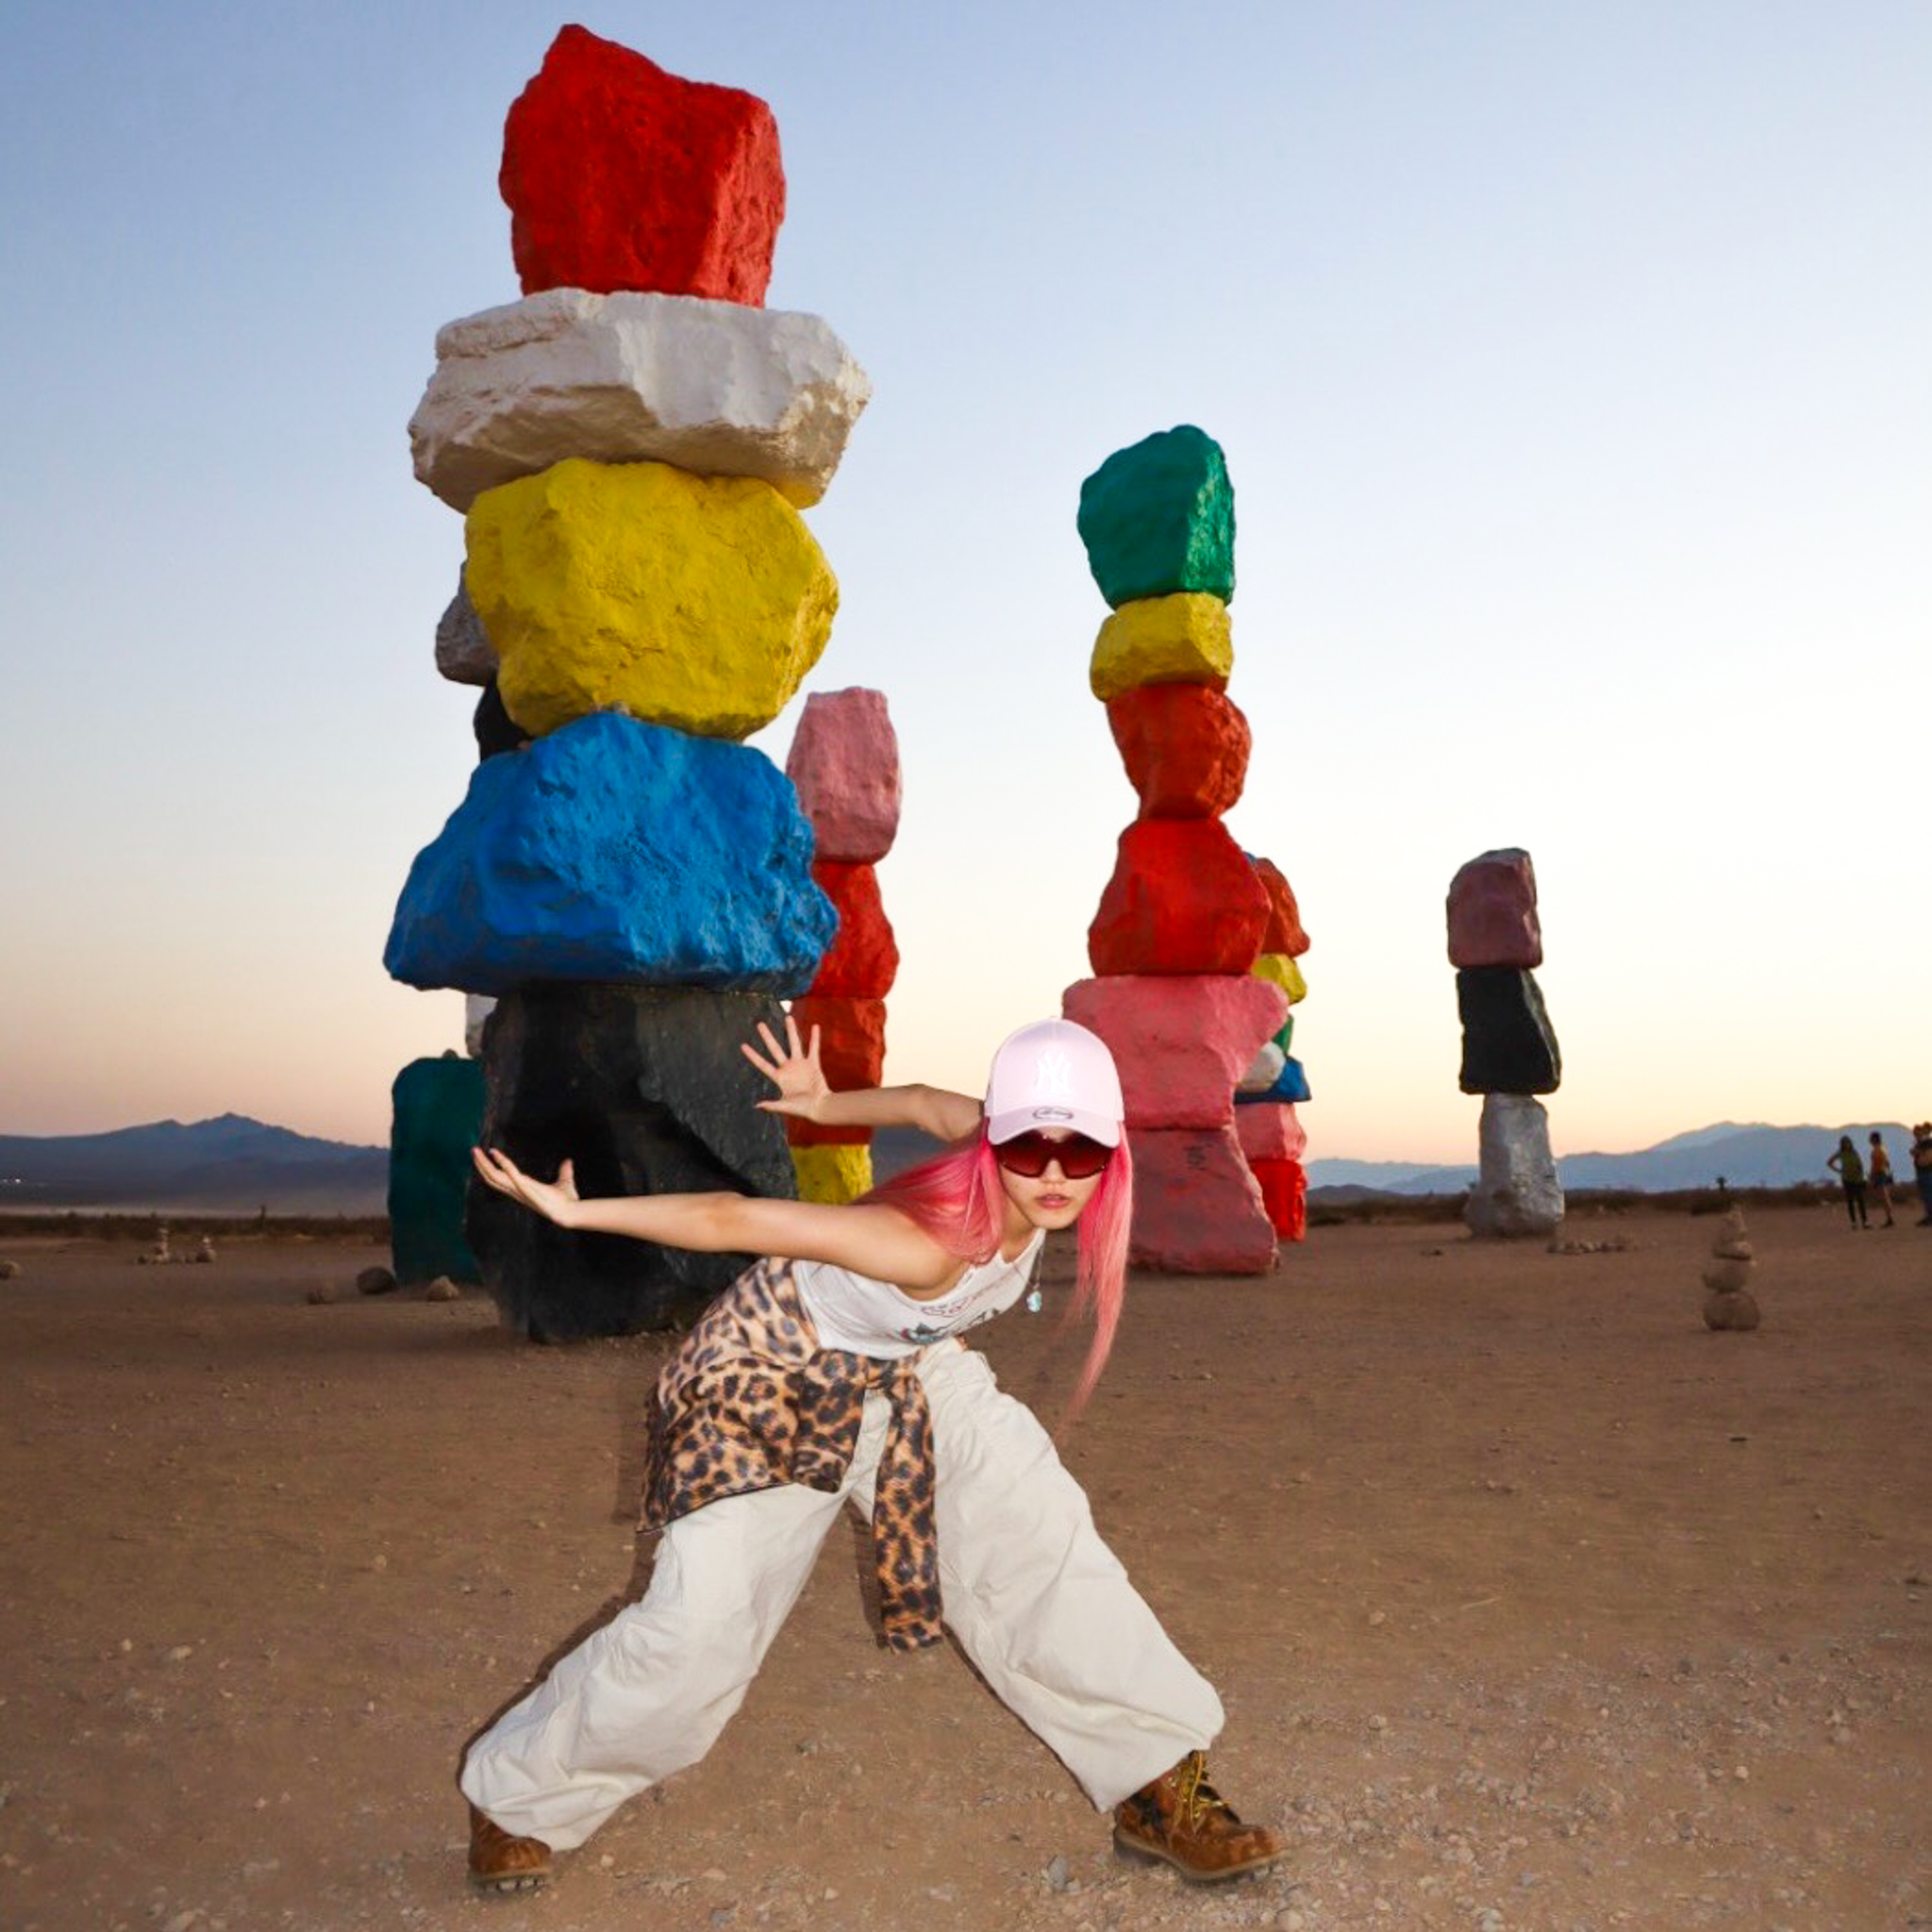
<point>1006,1127</point>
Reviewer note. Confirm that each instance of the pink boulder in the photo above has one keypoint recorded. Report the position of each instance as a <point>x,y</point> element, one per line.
<point>1269,1131</point>
<point>863,959</point>
<point>621,176</point>
<point>1283,932</point>
<point>1185,747</point>
<point>1182,899</point>
<point>1181,1041</point>
<point>1493,917</point>
<point>844,760</point>
<point>1197,1209</point>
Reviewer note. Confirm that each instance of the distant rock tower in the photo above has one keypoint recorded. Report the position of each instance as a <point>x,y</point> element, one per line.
<point>1183,920</point>
<point>1509,1051</point>
<point>845,762</point>
<point>630,446</point>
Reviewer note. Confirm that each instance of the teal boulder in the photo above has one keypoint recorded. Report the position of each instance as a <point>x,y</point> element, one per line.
<point>436,1116</point>
<point>1158,518</point>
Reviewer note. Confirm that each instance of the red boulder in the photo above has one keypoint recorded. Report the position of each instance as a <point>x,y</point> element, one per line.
<point>852,1038</point>
<point>621,176</point>
<point>1182,899</point>
<point>1283,932</point>
<point>809,1134</point>
<point>1285,1195</point>
<point>1185,747</point>
<point>1197,1209</point>
<point>862,961</point>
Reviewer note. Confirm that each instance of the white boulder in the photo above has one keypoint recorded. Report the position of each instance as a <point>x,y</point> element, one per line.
<point>1517,1192</point>
<point>477,1007</point>
<point>713,386</point>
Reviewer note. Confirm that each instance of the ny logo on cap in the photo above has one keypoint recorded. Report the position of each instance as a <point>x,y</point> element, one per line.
<point>1052,1075</point>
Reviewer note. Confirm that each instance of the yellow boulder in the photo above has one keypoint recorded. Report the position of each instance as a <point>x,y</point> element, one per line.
<point>1186,639</point>
<point>1278,968</point>
<point>697,602</point>
<point>832,1175</point>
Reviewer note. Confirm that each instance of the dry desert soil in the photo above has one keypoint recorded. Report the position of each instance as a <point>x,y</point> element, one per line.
<point>1534,1604</point>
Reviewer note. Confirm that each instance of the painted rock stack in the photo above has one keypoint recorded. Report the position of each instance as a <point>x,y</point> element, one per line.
<point>1183,918</point>
<point>1509,1051</point>
<point>1265,1100</point>
<point>1728,1299</point>
<point>436,1111</point>
<point>630,446</point>
<point>845,762</point>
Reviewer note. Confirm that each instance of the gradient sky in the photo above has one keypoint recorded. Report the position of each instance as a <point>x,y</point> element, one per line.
<point>1572,365</point>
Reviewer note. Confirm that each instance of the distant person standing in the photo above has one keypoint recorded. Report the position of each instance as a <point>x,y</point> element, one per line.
<point>1851,1177</point>
<point>1878,1163</point>
<point>1922,1169</point>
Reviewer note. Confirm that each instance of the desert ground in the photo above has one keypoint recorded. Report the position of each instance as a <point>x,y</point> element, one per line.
<point>1534,1604</point>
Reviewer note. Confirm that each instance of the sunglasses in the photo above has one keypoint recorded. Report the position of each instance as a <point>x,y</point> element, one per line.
<point>1030,1153</point>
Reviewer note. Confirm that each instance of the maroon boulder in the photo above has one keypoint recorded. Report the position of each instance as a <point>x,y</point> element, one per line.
<point>862,960</point>
<point>844,760</point>
<point>1197,1209</point>
<point>1182,899</point>
<point>1180,1040</point>
<point>1493,917</point>
<point>621,176</point>
<point>1185,747</point>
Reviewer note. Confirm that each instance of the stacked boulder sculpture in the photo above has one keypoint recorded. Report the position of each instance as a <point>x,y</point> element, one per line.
<point>1185,916</point>
<point>845,762</point>
<point>1508,1050</point>
<point>1265,1100</point>
<point>630,446</point>
<point>1728,1299</point>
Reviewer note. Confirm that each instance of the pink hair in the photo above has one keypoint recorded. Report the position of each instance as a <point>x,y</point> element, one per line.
<point>956,1198</point>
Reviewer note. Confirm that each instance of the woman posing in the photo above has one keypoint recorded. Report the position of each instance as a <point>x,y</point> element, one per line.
<point>832,1373</point>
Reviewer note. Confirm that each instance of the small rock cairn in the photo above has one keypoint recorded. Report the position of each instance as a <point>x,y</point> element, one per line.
<point>630,446</point>
<point>1727,1299</point>
<point>845,762</point>
<point>1509,1051</point>
<point>164,1255</point>
<point>1184,921</point>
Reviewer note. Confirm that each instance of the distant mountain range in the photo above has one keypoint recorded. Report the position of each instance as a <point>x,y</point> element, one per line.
<point>1746,1155</point>
<point>238,1166</point>
<point>230,1165</point>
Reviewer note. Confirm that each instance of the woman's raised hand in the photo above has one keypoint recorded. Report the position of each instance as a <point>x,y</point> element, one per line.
<point>553,1200</point>
<point>792,1067</point>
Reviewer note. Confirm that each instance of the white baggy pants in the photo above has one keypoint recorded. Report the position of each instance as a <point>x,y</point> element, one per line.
<point>1039,1603</point>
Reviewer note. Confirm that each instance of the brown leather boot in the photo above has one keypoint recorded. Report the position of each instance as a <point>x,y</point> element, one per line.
<point>1184,1820</point>
<point>499,1862</point>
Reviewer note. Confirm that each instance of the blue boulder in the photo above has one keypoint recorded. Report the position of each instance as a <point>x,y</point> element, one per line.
<point>615,850</point>
<point>1291,1085</point>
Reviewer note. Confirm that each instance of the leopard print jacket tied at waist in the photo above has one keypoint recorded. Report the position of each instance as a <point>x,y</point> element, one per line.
<point>751,1401</point>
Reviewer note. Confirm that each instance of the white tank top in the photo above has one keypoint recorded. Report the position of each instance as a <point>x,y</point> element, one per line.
<point>861,1316</point>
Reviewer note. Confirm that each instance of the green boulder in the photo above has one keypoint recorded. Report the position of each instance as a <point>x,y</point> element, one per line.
<point>437,1114</point>
<point>1158,518</point>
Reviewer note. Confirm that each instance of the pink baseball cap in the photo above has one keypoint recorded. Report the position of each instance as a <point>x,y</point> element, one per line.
<point>1054,1074</point>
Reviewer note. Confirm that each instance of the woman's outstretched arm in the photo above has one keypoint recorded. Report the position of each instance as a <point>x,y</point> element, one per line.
<point>792,1067</point>
<point>879,1242</point>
